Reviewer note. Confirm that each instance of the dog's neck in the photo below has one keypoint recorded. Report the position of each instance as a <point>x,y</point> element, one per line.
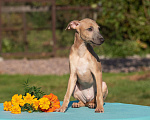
<point>79,45</point>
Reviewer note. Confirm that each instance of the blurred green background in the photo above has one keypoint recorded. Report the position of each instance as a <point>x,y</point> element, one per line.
<point>125,26</point>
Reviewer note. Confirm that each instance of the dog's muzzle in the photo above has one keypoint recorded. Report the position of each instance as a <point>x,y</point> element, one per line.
<point>97,41</point>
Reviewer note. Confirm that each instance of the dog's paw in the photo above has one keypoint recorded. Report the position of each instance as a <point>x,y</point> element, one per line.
<point>75,105</point>
<point>92,105</point>
<point>99,110</point>
<point>61,109</point>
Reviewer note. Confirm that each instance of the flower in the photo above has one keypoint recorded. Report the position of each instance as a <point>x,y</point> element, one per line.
<point>30,111</point>
<point>36,103</point>
<point>22,103</point>
<point>54,102</point>
<point>48,103</point>
<point>16,99</point>
<point>28,98</point>
<point>7,106</point>
<point>44,103</point>
<point>16,109</point>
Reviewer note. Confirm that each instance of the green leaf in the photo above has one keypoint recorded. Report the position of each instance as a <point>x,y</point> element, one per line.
<point>36,91</point>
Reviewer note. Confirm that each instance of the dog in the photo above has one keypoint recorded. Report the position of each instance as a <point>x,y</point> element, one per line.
<point>85,82</point>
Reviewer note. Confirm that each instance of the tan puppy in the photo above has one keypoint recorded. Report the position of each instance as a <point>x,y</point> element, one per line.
<point>85,82</point>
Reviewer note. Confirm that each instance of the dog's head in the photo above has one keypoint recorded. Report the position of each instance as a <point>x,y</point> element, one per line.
<point>88,31</point>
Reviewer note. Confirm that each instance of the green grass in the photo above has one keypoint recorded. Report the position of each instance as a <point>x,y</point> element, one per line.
<point>121,89</point>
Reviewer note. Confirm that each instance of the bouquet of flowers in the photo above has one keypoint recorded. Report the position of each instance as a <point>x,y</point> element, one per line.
<point>33,100</point>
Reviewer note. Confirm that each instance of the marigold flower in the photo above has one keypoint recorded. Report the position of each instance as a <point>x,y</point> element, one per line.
<point>44,103</point>
<point>54,102</point>
<point>7,106</point>
<point>49,103</point>
<point>16,99</point>
<point>28,98</point>
<point>30,111</point>
<point>36,103</point>
<point>16,109</point>
<point>22,103</point>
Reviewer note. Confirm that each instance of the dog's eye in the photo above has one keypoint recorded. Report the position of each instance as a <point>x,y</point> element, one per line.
<point>90,29</point>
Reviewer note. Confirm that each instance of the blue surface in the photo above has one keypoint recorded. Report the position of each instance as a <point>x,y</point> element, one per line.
<point>113,111</point>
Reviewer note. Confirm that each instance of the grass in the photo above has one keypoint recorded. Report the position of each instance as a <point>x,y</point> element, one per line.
<point>121,88</point>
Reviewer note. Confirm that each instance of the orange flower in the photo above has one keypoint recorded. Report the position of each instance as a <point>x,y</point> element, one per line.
<point>54,102</point>
<point>30,111</point>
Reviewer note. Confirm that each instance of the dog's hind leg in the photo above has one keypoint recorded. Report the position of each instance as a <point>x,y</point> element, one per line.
<point>92,103</point>
<point>77,105</point>
<point>77,94</point>
<point>104,90</point>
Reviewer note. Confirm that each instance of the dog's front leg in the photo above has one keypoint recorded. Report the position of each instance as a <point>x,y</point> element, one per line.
<point>71,85</point>
<point>99,97</point>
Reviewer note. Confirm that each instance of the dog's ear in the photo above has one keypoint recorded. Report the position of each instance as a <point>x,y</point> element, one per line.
<point>73,25</point>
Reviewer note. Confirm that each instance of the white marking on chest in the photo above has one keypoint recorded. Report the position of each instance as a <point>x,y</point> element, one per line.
<point>82,66</point>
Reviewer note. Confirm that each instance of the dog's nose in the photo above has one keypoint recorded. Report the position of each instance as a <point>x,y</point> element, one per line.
<point>102,39</point>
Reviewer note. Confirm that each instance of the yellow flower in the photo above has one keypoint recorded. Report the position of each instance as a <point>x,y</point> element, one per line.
<point>28,98</point>
<point>7,106</point>
<point>16,109</point>
<point>21,102</point>
<point>16,99</point>
<point>36,103</point>
<point>44,103</point>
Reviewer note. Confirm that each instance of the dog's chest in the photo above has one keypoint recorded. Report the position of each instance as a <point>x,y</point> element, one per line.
<point>82,66</point>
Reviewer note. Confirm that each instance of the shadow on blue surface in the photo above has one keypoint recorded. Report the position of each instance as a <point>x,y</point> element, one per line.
<point>71,102</point>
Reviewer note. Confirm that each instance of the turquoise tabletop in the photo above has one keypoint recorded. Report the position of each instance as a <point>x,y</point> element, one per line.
<point>113,111</point>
